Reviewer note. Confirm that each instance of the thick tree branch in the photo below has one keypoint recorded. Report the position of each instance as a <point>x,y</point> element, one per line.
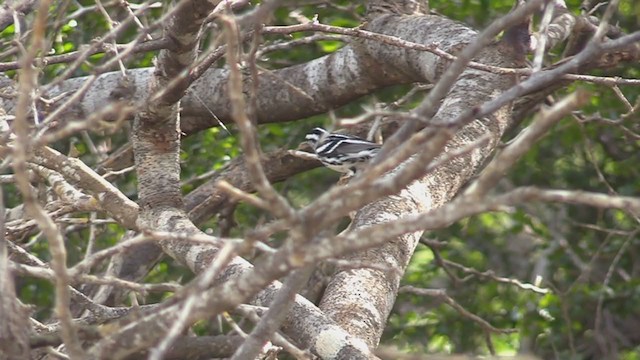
<point>15,7</point>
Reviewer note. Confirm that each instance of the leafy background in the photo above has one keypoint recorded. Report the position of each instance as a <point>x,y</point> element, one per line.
<point>588,257</point>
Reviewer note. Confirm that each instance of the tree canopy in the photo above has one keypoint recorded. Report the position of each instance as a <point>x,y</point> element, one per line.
<point>159,200</point>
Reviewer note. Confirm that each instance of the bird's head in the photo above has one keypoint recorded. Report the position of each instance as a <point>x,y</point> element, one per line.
<point>315,136</point>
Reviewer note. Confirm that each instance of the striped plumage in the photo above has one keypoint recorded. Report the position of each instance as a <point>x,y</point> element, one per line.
<point>342,153</point>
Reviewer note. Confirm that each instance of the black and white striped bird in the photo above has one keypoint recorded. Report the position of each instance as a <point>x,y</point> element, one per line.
<point>343,153</point>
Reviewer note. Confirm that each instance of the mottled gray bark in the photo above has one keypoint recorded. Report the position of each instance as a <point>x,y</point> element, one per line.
<point>357,302</point>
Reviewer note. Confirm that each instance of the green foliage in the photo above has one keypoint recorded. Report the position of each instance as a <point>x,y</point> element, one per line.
<point>477,13</point>
<point>585,152</point>
<point>37,292</point>
<point>576,155</point>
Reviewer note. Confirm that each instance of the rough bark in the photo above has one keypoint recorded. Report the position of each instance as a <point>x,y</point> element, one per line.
<point>359,300</point>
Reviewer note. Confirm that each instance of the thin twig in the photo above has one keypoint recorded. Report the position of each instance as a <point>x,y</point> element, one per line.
<point>279,204</point>
<point>27,84</point>
<point>271,320</point>
<point>225,255</point>
<point>523,142</point>
<point>442,295</point>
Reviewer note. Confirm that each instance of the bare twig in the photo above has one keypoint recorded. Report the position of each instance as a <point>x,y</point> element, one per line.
<point>240,195</point>
<point>458,209</point>
<point>79,174</point>
<point>492,276</point>
<point>45,273</point>
<point>442,295</point>
<point>27,83</point>
<point>272,318</point>
<point>21,6</point>
<point>201,284</point>
<point>542,45</point>
<point>614,263</point>
<point>525,140</point>
<point>151,45</point>
<point>253,313</point>
<point>279,204</point>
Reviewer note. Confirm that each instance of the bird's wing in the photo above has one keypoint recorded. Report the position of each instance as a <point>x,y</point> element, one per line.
<point>346,145</point>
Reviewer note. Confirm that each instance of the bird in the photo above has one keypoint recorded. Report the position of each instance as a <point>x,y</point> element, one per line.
<point>342,153</point>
